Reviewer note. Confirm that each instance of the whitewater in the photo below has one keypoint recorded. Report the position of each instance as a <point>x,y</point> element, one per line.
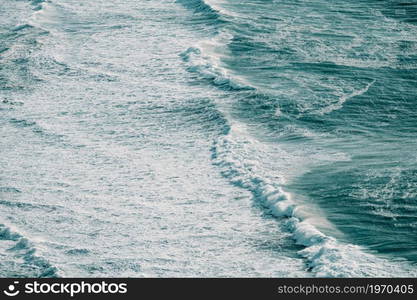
<point>208,138</point>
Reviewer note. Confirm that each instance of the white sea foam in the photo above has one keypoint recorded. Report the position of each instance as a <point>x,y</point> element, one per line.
<point>326,256</point>
<point>205,58</point>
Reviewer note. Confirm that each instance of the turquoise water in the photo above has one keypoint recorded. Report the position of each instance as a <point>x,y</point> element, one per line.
<point>208,138</point>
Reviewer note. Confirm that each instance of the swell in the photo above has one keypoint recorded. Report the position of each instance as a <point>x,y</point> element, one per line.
<point>342,99</point>
<point>203,8</point>
<point>20,258</point>
<point>19,42</point>
<point>401,10</point>
<point>235,154</point>
<point>37,4</point>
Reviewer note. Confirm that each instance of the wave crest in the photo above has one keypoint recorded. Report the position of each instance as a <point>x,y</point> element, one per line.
<point>16,248</point>
<point>325,255</point>
<point>202,7</point>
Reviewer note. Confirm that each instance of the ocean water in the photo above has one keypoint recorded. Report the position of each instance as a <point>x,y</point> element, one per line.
<point>208,138</point>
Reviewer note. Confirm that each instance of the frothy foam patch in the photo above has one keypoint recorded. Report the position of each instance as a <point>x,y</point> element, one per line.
<point>326,256</point>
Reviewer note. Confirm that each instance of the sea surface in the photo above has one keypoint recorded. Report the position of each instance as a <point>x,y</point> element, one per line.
<point>208,138</point>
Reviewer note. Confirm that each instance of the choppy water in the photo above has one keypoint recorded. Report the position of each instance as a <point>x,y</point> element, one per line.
<point>208,138</point>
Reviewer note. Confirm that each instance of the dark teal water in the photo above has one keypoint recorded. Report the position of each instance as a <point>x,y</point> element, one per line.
<point>344,71</point>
